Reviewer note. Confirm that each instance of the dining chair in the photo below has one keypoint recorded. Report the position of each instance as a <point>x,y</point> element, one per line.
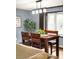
<point>36,41</point>
<point>51,42</point>
<point>26,38</point>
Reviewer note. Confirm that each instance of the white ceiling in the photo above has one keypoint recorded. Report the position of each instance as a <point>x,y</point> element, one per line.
<point>31,4</point>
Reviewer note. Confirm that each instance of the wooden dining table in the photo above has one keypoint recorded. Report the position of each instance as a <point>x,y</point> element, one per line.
<point>46,38</point>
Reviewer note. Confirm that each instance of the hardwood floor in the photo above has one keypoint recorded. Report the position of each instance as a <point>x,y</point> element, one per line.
<point>60,53</point>
<point>54,52</point>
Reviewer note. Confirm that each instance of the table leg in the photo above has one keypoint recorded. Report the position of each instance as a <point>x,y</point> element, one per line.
<point>46,45</point>
<point>57,47</point>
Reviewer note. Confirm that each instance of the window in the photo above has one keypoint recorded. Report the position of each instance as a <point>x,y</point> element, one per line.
<point>59,22</point>
<point>51,22</point>
<point>55,22</point>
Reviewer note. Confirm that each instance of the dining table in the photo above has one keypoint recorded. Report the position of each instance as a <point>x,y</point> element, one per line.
<point>46,38</point>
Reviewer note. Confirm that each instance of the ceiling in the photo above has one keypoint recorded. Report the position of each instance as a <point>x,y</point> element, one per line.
<point>31,4</point>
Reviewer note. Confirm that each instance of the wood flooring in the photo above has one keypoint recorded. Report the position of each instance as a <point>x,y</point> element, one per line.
<point>54,52</point>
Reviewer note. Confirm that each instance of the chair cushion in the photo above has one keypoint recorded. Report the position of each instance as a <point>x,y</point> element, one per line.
<point>52,42</point>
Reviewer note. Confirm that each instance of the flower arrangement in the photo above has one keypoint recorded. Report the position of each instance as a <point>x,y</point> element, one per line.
<point>40,31</point>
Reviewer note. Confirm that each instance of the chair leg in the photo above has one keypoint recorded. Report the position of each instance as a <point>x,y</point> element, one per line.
<point>51,49</point>
<point>23,41</point>
<point>29,43</point>
<point>32,44</point>
<point>40,46</point>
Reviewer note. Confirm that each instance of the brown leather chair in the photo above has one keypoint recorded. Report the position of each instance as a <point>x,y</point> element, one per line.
<point>36,41</point>
<point>51,42</point>
<point>25,38</point>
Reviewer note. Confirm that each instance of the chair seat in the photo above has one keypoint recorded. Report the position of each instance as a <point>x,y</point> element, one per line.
<point>52,42</point>
<point>26,40</point>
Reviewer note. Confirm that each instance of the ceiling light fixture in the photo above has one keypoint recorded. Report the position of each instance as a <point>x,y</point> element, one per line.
<point>38,8</point>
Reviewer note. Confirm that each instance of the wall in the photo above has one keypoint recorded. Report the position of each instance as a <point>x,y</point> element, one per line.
<point>35,18</point>
<point>24,14</point>
<point>55,9</point>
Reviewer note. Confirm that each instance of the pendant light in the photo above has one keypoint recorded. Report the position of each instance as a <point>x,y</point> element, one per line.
<point>38,9</point>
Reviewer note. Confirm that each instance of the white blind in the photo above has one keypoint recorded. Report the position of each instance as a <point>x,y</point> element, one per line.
<point>51,21</point>
<point>59,22</point>
<point>55,22</point>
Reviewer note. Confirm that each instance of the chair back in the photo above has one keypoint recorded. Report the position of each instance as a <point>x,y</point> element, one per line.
<point>52,31</point>
<point>35,38</point>
<point>25,36</point>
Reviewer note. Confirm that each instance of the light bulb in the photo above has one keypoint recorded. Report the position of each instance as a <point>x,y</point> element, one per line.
<point>40,11</point>
<point>44,10</point>
<point>36,11</point>
<point>33,12</point>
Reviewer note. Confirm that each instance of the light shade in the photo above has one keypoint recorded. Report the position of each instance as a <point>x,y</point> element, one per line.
<point>33,12</point>
<point>44,10</point>
<point>40,11</point>
<point>36,11</point>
